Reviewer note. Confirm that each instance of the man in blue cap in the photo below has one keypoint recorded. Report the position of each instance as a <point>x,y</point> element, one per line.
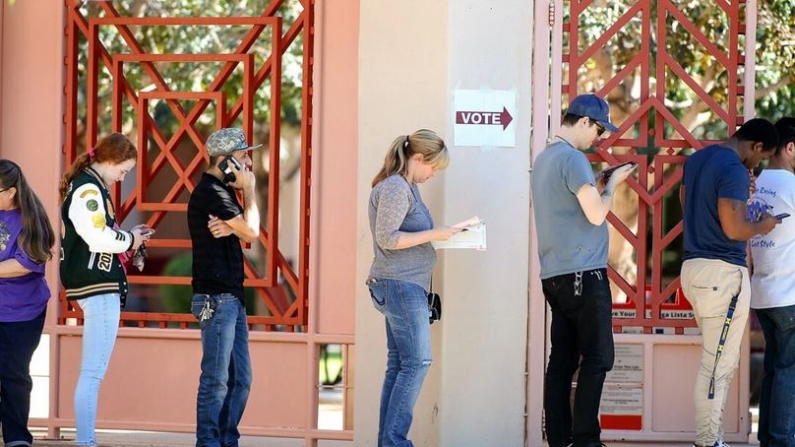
<point>570,207</point>
<point>217,223</point>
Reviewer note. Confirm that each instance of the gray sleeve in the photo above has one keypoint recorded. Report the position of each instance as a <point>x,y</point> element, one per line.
<point>392,208</point>
<point>577,172</point>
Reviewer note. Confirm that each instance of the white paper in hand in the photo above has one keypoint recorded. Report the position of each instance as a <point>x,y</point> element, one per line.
<point>473,236</point>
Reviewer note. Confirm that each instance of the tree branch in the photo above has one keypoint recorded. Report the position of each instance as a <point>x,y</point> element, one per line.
<point>783,82</point>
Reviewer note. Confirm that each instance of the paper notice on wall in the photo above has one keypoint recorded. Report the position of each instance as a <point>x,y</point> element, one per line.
<point>628,365</point>
<point>617,400</point>
<point>621,408</point>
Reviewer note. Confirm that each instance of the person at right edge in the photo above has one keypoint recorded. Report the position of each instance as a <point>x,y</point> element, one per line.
<point>714,193</point>
<point>570,206</point>
<point>217,223</point>
<point>400,276</point>
<point>772,286</point>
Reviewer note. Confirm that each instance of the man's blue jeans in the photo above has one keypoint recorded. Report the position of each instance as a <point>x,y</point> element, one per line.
<point>582,332</point>
<point>18,341</point>
<point>408,336</point>
<point>777,399</point>
<point>225,379</point>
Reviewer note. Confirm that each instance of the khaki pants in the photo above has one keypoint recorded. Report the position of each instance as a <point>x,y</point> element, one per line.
<point>709,285</point>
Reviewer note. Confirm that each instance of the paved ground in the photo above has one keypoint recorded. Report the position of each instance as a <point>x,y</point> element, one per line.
<point>149,439</point>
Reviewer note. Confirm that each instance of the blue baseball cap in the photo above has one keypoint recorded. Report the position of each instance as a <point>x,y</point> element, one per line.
<point>594,108</point>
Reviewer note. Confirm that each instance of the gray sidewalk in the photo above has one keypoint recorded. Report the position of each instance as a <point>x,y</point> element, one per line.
<point>121,438</point>
<point>150,439</point>
<point>158,439</point>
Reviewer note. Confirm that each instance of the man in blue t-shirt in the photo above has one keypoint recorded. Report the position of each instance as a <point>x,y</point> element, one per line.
<point>714,194</point>
<point>570,206</point>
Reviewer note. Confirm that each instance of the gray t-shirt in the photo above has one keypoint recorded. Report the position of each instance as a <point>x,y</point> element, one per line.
<point>567,241</point>
<point>396,206</point>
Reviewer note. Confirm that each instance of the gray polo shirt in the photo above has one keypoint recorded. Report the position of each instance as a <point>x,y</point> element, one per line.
<point>397,206</point>
<point>567,241</point>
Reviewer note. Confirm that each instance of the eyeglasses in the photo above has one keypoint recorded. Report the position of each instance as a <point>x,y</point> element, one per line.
<point>600,129</point>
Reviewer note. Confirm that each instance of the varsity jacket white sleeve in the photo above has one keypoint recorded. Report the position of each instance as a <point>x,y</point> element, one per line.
<point>87,213</point>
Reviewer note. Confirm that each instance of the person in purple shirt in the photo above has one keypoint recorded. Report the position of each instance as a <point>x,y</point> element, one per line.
<point>26,241</point>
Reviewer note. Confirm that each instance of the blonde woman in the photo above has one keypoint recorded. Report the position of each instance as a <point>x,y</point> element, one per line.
<point>400,277</point>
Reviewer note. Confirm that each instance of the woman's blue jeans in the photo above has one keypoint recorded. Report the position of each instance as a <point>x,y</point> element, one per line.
<point>101,325</point>
<point>777,399</point>
<point>225,380</point>
<point>408,335</point>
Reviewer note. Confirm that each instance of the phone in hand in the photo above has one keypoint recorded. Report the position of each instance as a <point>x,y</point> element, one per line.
<point>609,171</point>
<point>781,216</point>
<point>229,176</point>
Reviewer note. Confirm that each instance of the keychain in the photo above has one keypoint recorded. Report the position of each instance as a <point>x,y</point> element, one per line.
<point>207,311</point>
<point>577,283</point>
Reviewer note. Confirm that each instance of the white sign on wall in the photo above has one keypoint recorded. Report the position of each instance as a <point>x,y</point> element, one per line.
<point>628,365</point>
<point>484,118</point>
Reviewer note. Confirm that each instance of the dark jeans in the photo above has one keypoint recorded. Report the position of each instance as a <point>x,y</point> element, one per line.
<point>582,333</point>
<point>18,340</point>
<point>777,399</point>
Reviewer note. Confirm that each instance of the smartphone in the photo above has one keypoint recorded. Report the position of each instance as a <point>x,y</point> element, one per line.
<point>229,176</point>
<point>609,171</point>
<point>781,216</point>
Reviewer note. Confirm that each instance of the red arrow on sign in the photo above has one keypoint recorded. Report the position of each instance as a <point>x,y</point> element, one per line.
<point>484,118</point>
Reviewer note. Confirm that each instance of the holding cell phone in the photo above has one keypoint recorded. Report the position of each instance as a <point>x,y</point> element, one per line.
<point>609,171</point>
<point>229,176</point>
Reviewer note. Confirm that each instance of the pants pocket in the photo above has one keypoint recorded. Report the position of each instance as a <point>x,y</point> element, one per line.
<point>713,290</point>
<point>198,304</point>
<point>377,292</point>
<point>783,318</point>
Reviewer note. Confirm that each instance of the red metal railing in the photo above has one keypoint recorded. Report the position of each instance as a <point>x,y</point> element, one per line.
<point>655,301</point>
<point>285,312</point>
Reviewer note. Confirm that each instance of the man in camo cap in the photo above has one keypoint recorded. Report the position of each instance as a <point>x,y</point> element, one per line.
<point>226,141</point>
<point>217,222</point>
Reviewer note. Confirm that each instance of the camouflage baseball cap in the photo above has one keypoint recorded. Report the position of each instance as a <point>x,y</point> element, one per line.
<point>228,140</point>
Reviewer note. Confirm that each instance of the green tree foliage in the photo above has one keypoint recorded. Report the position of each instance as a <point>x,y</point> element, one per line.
<point>683,20</point>
<point>775,57</point>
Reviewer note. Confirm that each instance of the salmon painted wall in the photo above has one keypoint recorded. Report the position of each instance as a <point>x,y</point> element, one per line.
<point>31,99</point>
<point>31,117</point>
<point>335,157</point>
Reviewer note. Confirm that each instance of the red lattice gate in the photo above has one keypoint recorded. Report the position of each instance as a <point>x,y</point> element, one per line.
<point>676,78</point>
<point>167,74</point>
<point>132,72</point>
